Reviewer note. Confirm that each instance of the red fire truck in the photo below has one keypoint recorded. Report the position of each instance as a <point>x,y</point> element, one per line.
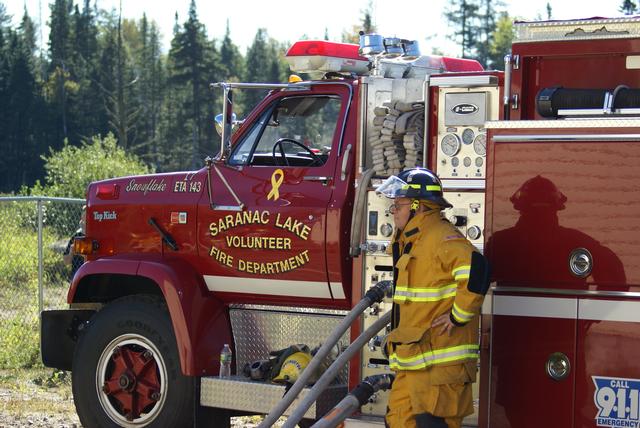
<point>277,239</point>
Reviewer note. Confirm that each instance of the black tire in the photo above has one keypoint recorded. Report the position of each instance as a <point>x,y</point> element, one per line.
<point>131,329</point>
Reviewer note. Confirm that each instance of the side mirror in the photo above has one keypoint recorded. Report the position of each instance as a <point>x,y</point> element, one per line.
<point>220,118</point>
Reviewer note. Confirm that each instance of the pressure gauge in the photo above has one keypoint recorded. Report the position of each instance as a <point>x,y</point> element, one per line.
<point>474,232</point>
<point>386,230</point>
<point>467,136</point>
<point>480,144</point>
<point>455,162</point>
<point>450,144</point>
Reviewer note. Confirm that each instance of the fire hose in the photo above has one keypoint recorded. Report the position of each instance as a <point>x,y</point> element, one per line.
<point>334,369</point>
<point>374,295</point>
<point>357,398</point>
<point>357,215</point>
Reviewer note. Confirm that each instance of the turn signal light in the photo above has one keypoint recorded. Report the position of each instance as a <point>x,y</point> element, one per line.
<point>108,191</point>
<point>85,246</point>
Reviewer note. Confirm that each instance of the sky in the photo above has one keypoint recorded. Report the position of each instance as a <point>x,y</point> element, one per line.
<point>420,20</point>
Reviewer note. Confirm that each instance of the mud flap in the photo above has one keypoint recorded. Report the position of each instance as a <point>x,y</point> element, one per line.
<point>58,336</point>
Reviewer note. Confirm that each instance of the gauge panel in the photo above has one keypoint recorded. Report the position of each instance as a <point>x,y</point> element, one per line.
<point>462,140</point>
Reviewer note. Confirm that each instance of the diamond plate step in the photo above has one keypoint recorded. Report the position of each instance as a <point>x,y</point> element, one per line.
<point>240,393</point>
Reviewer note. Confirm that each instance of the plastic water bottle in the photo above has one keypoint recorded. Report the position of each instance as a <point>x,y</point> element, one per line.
<point>225,361</point>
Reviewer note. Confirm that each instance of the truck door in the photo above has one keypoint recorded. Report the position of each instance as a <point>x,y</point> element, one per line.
<point>282,170</point>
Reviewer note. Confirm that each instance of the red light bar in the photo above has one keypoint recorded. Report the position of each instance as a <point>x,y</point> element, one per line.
<point>325,48</point>
<point>107,191</point>
<point>320,55</point>
<point>460,64</point>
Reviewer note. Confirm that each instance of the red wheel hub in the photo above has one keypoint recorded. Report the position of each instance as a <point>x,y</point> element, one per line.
<point>133,382</point>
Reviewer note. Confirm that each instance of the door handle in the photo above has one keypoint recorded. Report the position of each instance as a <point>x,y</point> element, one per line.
<point>323,180</point>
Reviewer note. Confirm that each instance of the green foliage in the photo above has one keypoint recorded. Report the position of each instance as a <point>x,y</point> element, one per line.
<point>18,232</point>
<point>628,7</point>
<point>19,327</point>
<point>194,62</point>
<point>487,25</point>
<point>501,40</point>
<point>19,258</point>
<point>265,63</point>
<point>104,73</point>
<point>19,339</point>
<point>463,17</point>
<point>53,379</point>
<point>366,24</point>
<point>473,26</point>
<point>70,170</point>
<point>19,346</point>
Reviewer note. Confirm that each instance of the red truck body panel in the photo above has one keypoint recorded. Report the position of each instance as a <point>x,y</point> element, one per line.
<point>551,190</point>
<point>592,64</point>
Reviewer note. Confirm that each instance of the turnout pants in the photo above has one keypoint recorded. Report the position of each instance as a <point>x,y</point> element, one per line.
<point>418,400</point>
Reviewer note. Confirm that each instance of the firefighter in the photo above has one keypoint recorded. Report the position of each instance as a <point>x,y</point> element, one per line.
<point>440,283</point>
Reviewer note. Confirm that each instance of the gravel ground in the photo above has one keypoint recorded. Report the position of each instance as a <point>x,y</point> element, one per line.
<point>30,398</point>
<point>32,406</point>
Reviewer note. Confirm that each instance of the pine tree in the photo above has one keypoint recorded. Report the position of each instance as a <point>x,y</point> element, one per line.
<point>59,55</point>
<point>60,43</point>
<point>151,81</point>
<point>628,7</point>
<point>5,19</point>
<point>487,25</point>
<point>463,18</point>
<point>23,114</point>
<point>195,64</point>
<point>28,33</point>
<point>85,72</point>
<point>256,70</point>
<point>232,69</point>
<point>230,58</point>
<point>366,24</point>
<point>123,113</point>
<point>5,166</point>
<point>501,40</point>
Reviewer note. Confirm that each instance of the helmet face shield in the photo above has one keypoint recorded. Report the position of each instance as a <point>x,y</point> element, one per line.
<point>391,187</point>
<point>415,183</point>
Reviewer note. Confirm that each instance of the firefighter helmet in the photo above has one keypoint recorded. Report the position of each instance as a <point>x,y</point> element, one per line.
<point>415,183</point>
<point>292,367</point>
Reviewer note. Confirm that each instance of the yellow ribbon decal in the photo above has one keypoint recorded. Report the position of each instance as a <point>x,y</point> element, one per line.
<point>276,180</point>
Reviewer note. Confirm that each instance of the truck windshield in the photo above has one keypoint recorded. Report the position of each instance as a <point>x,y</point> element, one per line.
<point>296,131</point>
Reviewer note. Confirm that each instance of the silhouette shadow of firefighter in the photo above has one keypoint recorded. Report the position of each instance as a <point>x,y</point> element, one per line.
<point>535,254</point>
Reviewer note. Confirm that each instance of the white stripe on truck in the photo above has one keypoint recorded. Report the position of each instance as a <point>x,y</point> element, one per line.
<point>567,308</point>
<point>273,287</point>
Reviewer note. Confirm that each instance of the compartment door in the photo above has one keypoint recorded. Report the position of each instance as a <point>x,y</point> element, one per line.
<point>532,336</point>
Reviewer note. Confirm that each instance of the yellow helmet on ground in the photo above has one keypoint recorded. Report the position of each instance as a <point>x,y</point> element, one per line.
<point>292,367</point>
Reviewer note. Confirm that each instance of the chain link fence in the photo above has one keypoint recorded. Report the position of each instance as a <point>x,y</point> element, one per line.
<point>34,272</point>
